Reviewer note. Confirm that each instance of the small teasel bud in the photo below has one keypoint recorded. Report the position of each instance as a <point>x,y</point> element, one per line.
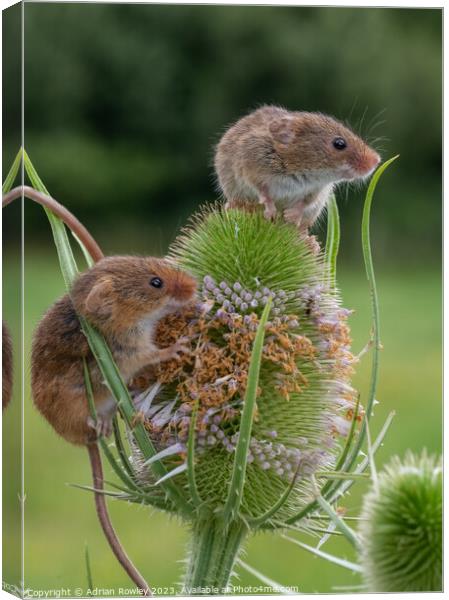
<point>243,306</point>
<point>401,530</point>
<point>237,287</point>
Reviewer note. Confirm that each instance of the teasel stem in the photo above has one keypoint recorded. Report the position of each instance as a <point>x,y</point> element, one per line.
<point>215,545</point>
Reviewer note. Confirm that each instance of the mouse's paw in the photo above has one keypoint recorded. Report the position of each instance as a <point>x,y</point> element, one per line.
<point>138,418</point>
<point>180,347</point>
<point>294,214</point>
<point>314,245</point>
<point>270,211</point>
<point>102,426</point>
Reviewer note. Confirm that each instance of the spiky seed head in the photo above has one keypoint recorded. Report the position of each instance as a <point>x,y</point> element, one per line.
<point>241,260</point>
<point>402,528</point>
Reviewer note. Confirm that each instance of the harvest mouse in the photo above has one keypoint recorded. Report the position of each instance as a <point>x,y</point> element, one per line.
<point>289,161</point>
<point>124,297</point>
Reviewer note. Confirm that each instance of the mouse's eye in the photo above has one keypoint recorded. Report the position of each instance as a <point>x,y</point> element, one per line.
<point>156,282</point>
<point>339,143</point>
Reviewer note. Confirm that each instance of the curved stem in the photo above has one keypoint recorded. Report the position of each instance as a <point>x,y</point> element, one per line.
<point>60,211</point>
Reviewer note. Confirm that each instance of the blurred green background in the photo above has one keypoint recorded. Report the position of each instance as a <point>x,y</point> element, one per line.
<point>123,105</point>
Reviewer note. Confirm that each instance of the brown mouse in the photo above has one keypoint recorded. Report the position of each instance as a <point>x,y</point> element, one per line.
<point>124,297</point>
<point>289,161</point>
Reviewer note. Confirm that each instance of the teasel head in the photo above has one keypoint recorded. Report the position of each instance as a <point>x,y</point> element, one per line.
<point>304,402</point>
<point>401,532</point>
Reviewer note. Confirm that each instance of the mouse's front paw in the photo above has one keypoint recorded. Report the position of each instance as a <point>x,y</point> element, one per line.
<point>270,211</point>
<point>180,347</point>
<point>102,426</point>
<point>294,215</point>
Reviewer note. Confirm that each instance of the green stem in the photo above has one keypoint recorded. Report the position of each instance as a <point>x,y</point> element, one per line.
<point>215,546</point>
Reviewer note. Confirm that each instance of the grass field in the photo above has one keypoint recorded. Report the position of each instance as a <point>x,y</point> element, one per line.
<point>60,520</point>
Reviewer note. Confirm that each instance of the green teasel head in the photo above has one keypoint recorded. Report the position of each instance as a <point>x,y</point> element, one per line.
<point>304,402</point>
<point>401,535</point>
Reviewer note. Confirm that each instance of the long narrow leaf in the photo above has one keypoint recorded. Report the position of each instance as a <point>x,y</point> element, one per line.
<point>90,583</point>
<point>258,521</point>
<point>121,449</point>
<point>11,176</point>
<point>369,268</point>
<point>329,557</point>
<point>277,587</point>
<point>241,452</point>
<point>339,523</point>
<point>365,462</point>
<point>332,239</point>
<point>191,460</point>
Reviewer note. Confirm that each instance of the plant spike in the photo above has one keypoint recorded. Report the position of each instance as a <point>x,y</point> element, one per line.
<point>90,583</point>
<point>264,579</point>
<point>365,462</point>
<point>121,449</point>
<point>93,411</point>
<point>350,437</point>
<point>329,557</point>
<point>349,534</point>
<point>194,493</point>
<point>234,499</point>
<point>258,521</point>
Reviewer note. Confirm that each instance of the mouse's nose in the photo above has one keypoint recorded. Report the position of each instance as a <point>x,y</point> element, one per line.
<point>367,162</point>
<point>372,159</point>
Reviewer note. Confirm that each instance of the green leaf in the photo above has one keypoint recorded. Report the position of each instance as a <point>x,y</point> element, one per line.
<point>241,452</point>
<point>258,521</point>
<point>191,460</point>
<point>90,583</point>
<point>332,239</point>
<point>338,522</point>
<point>329,557</point>
<point>10,178</point>
<point>277,587</point>
<point>369,268</point>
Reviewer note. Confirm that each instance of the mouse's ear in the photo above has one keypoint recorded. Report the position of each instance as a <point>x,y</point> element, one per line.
<point>282,130</point>
<point>99,300</point>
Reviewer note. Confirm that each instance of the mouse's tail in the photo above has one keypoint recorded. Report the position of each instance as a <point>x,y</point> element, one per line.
<point>60,211</point>
<point>105,521</point>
